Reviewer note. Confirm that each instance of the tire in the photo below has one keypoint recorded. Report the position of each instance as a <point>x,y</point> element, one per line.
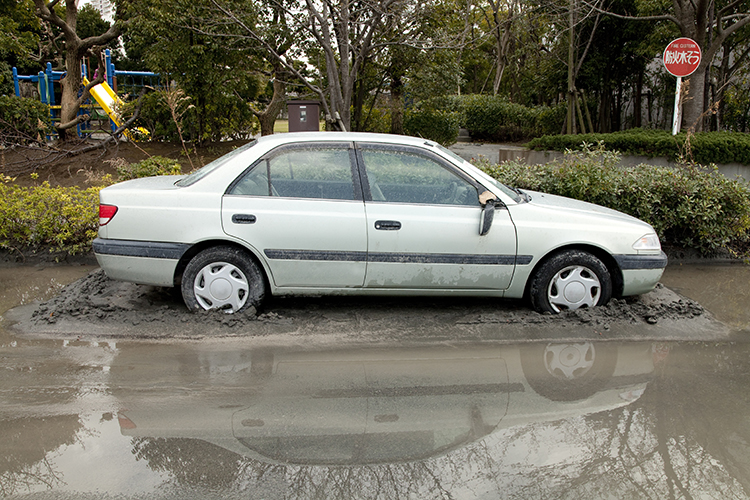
<point>222,278</point>
<point>568,372</point>
<point>570,280</point>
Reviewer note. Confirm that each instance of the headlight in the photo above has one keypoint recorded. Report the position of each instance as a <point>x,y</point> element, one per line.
<point>647,242</point>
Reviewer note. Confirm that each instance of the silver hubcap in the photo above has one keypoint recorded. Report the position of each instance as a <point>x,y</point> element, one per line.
<point>573,287</point>
<point>569,361</point>
<point>221,285</point>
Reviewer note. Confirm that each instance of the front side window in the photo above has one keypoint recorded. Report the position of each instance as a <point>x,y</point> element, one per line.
<point>310,172</point>
<point>405,177</point>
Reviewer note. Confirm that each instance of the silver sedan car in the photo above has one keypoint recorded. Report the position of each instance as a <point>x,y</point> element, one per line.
<point>352,213</point>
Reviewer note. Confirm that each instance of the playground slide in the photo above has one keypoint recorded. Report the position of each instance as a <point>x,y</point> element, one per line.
<point>108,100</point>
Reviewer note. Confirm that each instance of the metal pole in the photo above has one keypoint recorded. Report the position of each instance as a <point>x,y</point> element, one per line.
<point>677,117</point>
<point>16,86</point>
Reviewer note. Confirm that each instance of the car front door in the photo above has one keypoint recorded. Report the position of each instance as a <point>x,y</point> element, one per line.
<point>423,219</point>
<point>301,208</point>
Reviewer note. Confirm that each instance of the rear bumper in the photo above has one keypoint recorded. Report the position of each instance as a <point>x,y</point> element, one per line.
<point>147,263</point>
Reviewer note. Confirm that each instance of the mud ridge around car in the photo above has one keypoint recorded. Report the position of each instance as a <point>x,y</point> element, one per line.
<point>97,307</point>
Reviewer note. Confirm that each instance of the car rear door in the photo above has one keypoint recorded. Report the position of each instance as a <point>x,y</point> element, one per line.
<point>300,207</point>
<point>423,218</point>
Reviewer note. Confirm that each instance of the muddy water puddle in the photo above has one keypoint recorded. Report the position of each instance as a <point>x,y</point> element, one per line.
<point>722,289</point>
<point>203,420</point>
<point>235,417</point>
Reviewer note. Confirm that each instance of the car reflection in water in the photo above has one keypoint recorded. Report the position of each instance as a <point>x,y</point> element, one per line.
<point>376,406</point>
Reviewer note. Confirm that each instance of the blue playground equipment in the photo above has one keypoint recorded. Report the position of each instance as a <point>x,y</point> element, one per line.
<point>45,81</point>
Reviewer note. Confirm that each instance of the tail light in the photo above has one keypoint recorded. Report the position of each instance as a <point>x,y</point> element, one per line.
<point>106,212</point>
<point>125,422</point>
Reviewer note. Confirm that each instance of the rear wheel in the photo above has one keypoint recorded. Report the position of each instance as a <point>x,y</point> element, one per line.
<point>570,280</point>
<point>223,278</point>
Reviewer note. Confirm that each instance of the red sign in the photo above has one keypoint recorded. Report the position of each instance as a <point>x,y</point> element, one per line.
<point>682,57</point>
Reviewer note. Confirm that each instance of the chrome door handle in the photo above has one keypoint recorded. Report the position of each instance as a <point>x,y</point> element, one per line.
<point>387,225</point>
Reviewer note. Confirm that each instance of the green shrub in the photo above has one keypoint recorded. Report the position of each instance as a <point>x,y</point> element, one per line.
<point>59,218</point>
<point>497,119</point>
<point>155,165</point>
<point>438,126</point>
<point>703,148</point>
<point>689,206</point>
<point>377,120</point>
<point>23,121</point>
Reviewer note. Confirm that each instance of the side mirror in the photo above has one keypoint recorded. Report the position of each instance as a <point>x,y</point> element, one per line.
<point>489,202</point>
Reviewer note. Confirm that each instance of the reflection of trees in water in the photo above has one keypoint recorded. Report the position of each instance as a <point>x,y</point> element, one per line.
<point>24,447</point>
<point>686,437</point>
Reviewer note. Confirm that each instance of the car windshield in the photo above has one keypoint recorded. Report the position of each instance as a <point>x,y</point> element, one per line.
<point>204,171</point>
<point>512,193</point>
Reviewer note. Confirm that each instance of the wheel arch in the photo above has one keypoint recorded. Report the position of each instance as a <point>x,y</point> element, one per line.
<point>607,259</point>
<point>203,245</point>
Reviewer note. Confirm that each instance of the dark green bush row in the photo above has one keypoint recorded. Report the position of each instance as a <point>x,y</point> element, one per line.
<point>689,207</point>
<point>704,148</point>
<point>438,126</point>
<point>495,118</point>
<point>23,121</point>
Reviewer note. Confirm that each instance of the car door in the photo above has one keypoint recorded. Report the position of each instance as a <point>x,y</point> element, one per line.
<point>300,207</point>
<point>423,218</point>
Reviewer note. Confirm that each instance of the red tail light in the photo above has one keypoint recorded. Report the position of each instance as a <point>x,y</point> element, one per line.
<point>125,422</point>
<point>106,212</point>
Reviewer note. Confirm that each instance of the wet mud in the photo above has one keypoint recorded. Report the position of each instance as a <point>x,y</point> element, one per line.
<point>96,306</point>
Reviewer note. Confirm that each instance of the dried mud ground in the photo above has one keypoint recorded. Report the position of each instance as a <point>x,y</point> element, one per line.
<point>97,307</point>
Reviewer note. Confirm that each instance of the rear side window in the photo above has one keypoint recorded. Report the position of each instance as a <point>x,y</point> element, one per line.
<point>322,172</point>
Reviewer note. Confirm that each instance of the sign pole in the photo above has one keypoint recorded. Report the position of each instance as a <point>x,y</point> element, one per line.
<point>681,58</point>
<point>677,116</point>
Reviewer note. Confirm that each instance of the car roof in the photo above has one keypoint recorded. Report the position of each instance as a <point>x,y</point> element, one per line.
<point>292,137</point>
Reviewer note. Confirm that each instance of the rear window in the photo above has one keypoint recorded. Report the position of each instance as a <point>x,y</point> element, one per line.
<point>204,171</point>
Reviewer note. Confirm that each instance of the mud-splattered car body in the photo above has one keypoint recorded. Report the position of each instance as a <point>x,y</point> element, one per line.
<point>351,213</point>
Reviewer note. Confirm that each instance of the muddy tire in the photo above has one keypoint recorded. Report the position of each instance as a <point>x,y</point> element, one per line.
<point>570,280</point>
<point>223,278</point>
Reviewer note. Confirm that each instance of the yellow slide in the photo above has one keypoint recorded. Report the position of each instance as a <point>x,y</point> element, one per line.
<point>108,100</point>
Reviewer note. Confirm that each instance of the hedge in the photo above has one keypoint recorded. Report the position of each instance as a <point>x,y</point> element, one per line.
<point>23,121</point>
<point>689,207</point>
<point>703,148</point>
<point>62,219</point>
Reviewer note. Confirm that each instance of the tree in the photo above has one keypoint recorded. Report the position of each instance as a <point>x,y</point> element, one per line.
<point>76,49</point>
<point>218,74</point>
<point>710,24</point>
<point>343,33</point>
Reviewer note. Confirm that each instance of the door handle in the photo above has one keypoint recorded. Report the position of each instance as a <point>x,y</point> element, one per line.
<point>243,219</point>
<point>387,225</point>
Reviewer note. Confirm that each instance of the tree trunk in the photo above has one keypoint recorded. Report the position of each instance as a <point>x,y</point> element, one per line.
<point>397,105</point>
<point>692,104</point>
<point>267,117</point>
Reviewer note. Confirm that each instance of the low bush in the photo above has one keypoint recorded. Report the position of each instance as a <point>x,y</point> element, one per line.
<point>438,126</point>
<point>155,165</point>
<point>59,218</point>
<point>703,148</point>
<point>689,207</point>
<point>23,121</point>
<point>62,219</point>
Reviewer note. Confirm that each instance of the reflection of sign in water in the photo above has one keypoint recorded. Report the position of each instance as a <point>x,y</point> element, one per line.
<point>682,57</point>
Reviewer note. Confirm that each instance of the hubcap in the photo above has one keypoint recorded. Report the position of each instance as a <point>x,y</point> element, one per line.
<point>221,285</point>
<point>569,361</point>
<point>573,287</point>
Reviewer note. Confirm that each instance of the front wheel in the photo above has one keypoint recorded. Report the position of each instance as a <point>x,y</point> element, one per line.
<point>223,278</point>
<point>570,280</point>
